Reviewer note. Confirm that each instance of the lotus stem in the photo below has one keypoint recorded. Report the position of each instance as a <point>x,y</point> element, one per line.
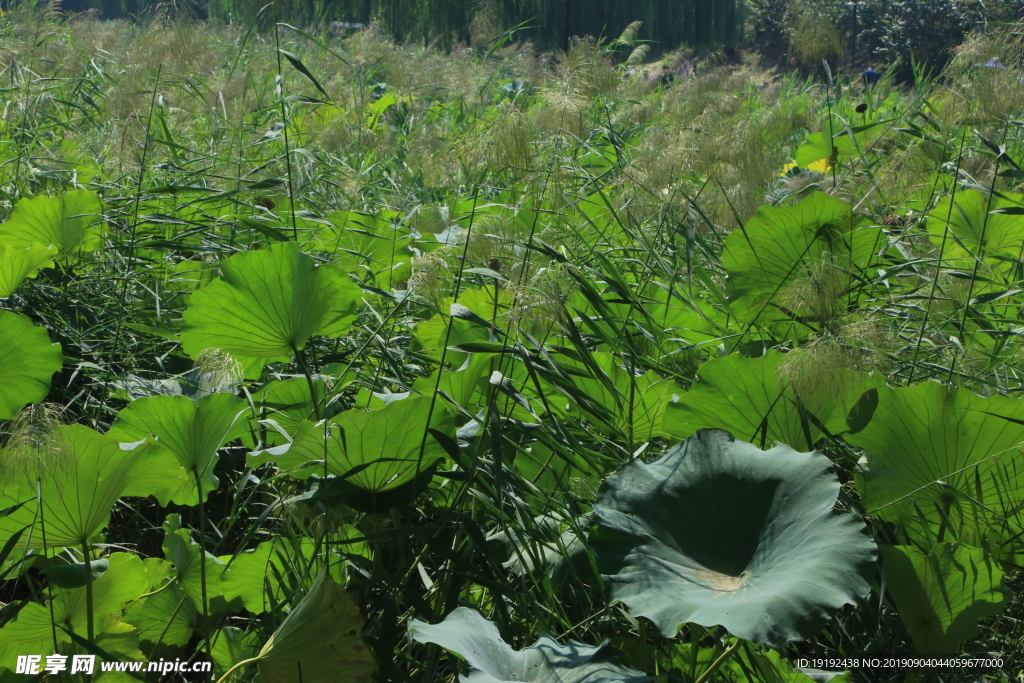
<point>309,380</point>
<point>202,563</point>
<point>706,676</point>
<point>90,628</point>
<point>239,665</point>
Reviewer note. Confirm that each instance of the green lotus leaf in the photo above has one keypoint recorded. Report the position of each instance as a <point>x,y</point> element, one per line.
<point>227,649</point>
<point>718,532</point>
<point>185,556</point>
<point>68,222</point>
<point>749,398</point>
<point>362,239</point>
<point>320,641</point>
<point>945,453</point>
<point>977,231</point>
<point>74,575</point>
<point>942,595</point>
<point>27,362</point>
<point>491,660</point>
<point>268,303</point>
<point>32,631</point>
<point>85,476</point>
<point>821,147</point>
<point>287,403</point>
<point>376,450</point>
<point>20,262</point>
<point>191,431</point>
<point>784,251</point>
<point>249,575</point>
<point>168,615</point>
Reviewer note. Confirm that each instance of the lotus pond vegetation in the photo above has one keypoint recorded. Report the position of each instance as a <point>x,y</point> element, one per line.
<point>329,358</point>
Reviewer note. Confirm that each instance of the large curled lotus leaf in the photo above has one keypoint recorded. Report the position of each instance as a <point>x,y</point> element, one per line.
<point>32,631</point>
<point>190,431</point>
<point>974,230</point>
<point>84,476</point>
<point>320,641</point>
<point>814,240</point>
<point>941,596</point>
<point>27,362</point>
<point>68,222</point>
<point>751,399</point>
<point>18,262</point>
<point>943,452</point>
<point>268,303</point>
<point>491,660</point>
<point>375,450</point>
<point>719,532</point>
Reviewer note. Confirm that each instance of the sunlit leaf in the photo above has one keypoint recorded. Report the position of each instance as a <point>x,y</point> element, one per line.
<point>88,476</point>
<point>941,596</point>
<point>27,362</point>
<point>792,262</point>
<point>751,399</point>
<point>375,450</point>
<point>979,229</point>
<point>320,641</point>
<point>20,262</point>
<point>32,631</point>
<point>927,442</point>
<point>269,303</point>
<point>190,431</point>
<point>68,222</point>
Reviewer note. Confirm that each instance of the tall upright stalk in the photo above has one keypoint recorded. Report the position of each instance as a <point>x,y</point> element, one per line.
<point>90,626</point>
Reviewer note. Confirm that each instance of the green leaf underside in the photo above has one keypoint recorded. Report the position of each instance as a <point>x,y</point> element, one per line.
<point>718,532</point>
<point>320,641</point>
<point>20,262</point>
<point>32,632</point>
<point>977,230</point>
<point>27,362</point>
<point>375,450</point>
<point>67,222</point>
<point>747,398</point>
<point>942,595</point>
<point>190,431</point>
<point>269,303</point>
<point>781,243</point>
<point>77,497</point>
<point>926,442</point>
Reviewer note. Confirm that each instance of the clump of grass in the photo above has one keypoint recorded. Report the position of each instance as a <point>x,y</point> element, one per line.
<point>984,76</point>
<point>859,346</point>
<point>36,447</point>
<point>217,370</point>
<point>813,37</point>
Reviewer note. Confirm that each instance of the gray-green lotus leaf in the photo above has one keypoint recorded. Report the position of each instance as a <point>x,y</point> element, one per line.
<point>492,660</point>
<point>719,532</point>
